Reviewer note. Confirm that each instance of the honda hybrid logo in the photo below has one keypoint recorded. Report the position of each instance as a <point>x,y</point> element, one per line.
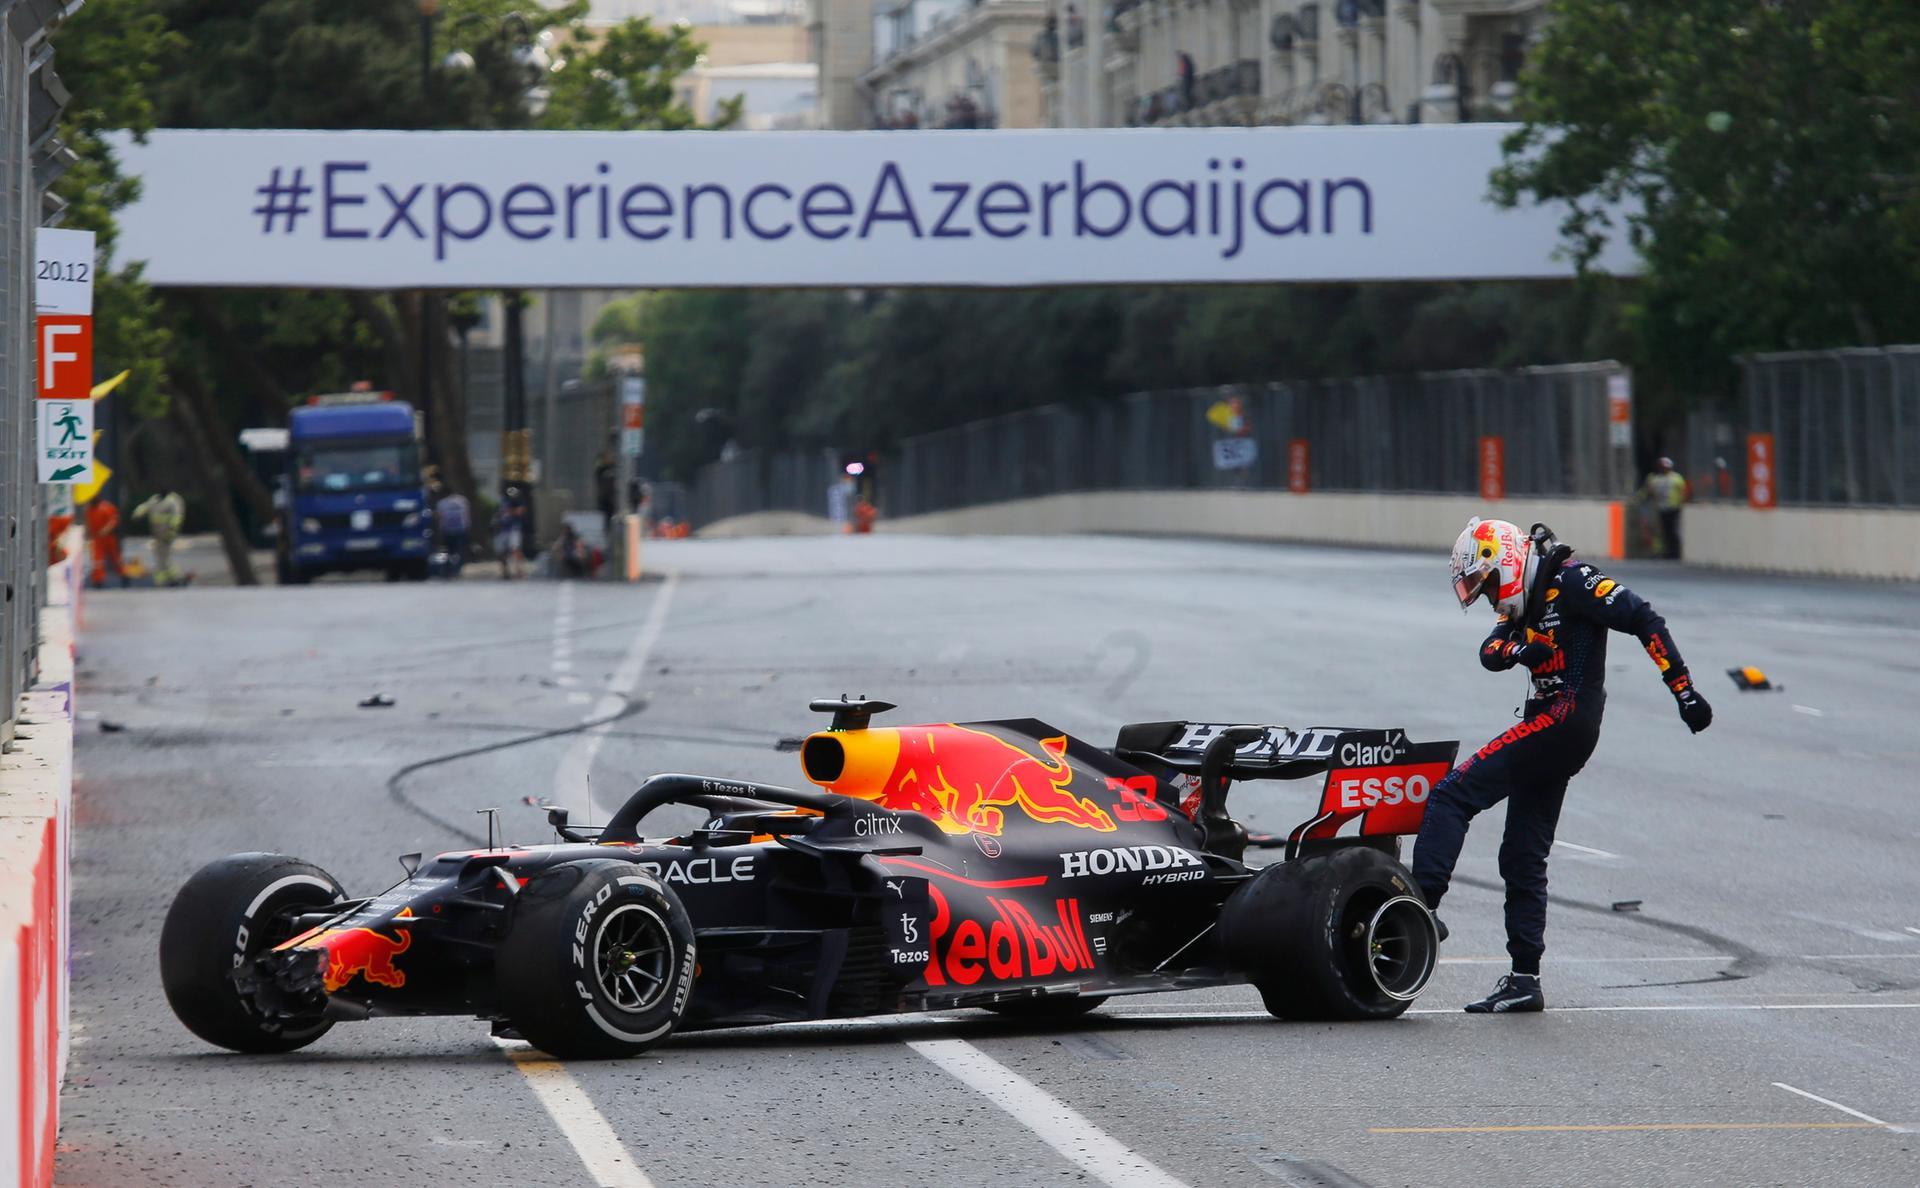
<point>1124,859</point>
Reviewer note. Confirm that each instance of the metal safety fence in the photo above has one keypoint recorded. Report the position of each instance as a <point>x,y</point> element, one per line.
<point>1842,426</point>
<point>1561,431</point>
<point>796,480</point>
<point>30,102</point>
<point>581,419</point>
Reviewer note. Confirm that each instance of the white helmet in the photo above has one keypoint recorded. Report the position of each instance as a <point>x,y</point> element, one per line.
<point>1496,559</point>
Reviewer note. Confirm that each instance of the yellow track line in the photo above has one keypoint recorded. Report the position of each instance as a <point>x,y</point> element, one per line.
<point>1625,1126</point>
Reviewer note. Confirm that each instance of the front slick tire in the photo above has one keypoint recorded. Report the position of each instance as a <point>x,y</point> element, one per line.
<point>230,912</point>
<point>598,961</point>
<point>1340,935</point>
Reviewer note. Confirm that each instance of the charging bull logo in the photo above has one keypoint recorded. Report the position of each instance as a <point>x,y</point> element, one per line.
<point>362,952</point>
<point>962,779</point>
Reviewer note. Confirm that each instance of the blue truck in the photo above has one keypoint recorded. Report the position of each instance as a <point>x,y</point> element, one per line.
<point>353,495</point>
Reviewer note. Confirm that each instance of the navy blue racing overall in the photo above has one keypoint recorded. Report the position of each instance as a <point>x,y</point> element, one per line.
<point>1563,645</point>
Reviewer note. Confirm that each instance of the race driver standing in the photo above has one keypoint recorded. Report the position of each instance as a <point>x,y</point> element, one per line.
<point>1554,615</point>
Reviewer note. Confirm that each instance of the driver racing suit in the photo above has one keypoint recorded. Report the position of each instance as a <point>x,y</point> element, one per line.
<point>1563,644</point>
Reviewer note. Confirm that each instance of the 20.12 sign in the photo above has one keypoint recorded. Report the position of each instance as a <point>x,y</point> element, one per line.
<point>63,355</point>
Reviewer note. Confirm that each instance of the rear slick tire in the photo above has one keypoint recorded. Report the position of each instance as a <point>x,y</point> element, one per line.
<point>230,912</point>
<point>598,961</point>
<point>1342,935</point>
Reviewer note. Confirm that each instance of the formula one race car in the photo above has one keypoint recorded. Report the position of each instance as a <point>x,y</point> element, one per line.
<point>1002,865</point>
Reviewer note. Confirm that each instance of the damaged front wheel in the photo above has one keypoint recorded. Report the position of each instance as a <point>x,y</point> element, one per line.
<point>229,913</point>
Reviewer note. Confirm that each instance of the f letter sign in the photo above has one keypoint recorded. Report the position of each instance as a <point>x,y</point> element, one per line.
<point>63,355</point>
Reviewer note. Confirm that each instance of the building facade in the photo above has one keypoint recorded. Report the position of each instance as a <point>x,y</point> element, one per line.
<point>956,64</point>
<point>764,64</point>
<point>840,35</point>
<point>929,63</point>
<point>1267,62</point>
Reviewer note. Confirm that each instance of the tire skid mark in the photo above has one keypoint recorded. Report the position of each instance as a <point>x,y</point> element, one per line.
<point>1747,961</point>
<point>628,708</point>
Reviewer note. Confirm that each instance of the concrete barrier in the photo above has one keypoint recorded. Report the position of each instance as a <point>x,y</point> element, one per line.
<point>36,796</point>
<point>1392,521</point>
<point>1834,542</point>
<point>1839,542</point>
<point>769,523</point>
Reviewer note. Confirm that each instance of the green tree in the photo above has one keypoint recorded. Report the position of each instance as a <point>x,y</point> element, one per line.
<point>627,80</point>
<point>108,56</point>
<point>697,343</point>
<point>336,64</point>
<point>619,324</point>
<point>240,359</point>
<point>1762,155</point>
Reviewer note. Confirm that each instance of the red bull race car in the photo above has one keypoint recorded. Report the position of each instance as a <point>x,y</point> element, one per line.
<point>1002,865</point>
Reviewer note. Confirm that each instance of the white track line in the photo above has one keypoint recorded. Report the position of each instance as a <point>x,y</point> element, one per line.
<point>1585,849</point>
<point>1061,1127</point>
<point>585,1127</point>
<point>562,624</point>
<point>1836,1105</point>
<point>1654,1008</point>
<point>942,1019</point>
<point>1707,958</point>
<point>1915,931</point>
<point>570,778</point>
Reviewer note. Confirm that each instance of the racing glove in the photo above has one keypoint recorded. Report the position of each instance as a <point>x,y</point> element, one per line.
<point>1531,655</point>
<point>1694,710</point>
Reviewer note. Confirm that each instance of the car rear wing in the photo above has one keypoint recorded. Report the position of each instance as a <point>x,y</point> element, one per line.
<point>1381,780</point>
<point>1377,777</point>
<point>1259,753</point>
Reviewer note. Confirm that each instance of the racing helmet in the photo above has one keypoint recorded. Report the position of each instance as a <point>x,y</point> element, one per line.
<point>1494,559</point>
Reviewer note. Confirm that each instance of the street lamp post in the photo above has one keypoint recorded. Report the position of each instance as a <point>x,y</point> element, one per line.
<point>463,316</point>
<point>530,53</point>
<point>515,448</point>
<point>514,360</point>
<point>428,10</point>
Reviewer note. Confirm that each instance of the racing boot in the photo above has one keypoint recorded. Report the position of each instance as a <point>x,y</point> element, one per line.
<point>1440,928</point>
<point>1516,992</point>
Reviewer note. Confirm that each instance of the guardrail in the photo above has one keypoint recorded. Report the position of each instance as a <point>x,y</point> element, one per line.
<point>21,554</point>
<point>36,648</point>
<point>31,159</point>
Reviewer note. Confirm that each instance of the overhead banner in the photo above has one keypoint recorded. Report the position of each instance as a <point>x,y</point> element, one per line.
<point>681,209</point>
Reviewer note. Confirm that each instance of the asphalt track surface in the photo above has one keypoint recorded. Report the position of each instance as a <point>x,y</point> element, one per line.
<point>1756,1021</point>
